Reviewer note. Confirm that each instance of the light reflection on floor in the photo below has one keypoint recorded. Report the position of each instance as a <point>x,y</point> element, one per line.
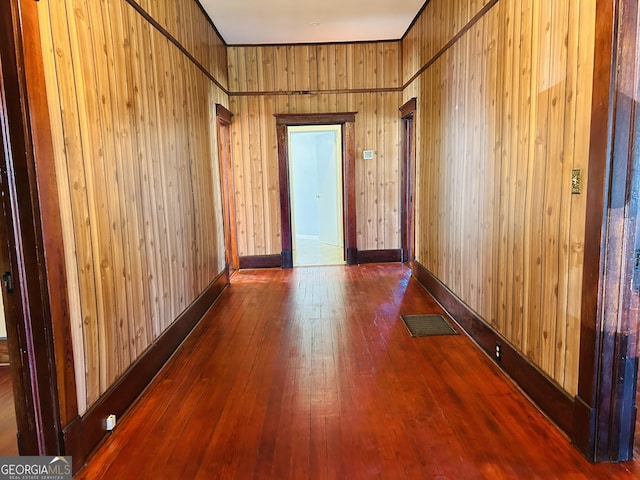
<point>308,252</point>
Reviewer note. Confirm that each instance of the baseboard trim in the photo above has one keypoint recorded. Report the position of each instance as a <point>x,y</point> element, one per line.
<point>380,256</point>
<point>547,394</point>
<point>584,422</point>
<point>85,433</point>
<point>260,261</point>
<point>354,257</point>
<point>4,351</point>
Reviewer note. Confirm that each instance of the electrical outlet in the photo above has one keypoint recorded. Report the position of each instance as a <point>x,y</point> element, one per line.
<point>110,423</point>
<point>498,352</point>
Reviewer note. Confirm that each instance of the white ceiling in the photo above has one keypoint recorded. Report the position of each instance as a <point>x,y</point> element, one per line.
<point>245,22</point>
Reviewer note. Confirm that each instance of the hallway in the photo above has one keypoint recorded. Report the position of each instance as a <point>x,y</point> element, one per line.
<point>310,373</point>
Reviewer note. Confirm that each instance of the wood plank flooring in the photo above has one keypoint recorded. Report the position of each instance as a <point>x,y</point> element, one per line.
<point>310,373</point>
<point>8,441</point>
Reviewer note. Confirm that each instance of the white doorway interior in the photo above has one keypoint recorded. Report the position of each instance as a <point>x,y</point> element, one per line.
<point>315,172</point>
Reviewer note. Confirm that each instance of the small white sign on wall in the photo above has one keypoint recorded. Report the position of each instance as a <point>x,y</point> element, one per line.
<point>367,154</point>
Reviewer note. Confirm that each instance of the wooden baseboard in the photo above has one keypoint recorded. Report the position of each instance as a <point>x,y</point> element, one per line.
<point>354,257</point>
<point>584,422</point>
<point>547,394</point>
<point>85,433</point>
<point>260,261</point>
<point>379,256</point>
<point>4,351</point>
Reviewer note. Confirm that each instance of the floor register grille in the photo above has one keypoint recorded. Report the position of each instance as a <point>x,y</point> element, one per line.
<point>428,325</point>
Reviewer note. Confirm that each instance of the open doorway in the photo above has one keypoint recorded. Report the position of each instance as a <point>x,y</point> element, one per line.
<point>346,122</point>
<point>223,121</point>
<point>408,168</point>
<point>315,170</point>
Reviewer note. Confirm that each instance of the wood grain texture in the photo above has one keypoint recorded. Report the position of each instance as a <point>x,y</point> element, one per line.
<point>187,23</point>
<point>8,428</point>
<point>4,351</point>
<point>609,323</point>
<point>326,78</point>
<point>437,24</point>
<point>556,404</point>
<point>83,434</point>
<point>502,119</point>
<point>133,122</point>
<point>310,374</point>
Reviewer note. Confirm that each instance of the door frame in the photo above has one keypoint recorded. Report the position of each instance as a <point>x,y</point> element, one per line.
<point>31,249</point>
<point>224,117</point>
<point>347,121</point>
<point>605,405</point>
<point>407,179</point>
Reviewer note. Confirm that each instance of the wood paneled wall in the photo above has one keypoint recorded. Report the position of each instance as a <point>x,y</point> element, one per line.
<point>433,30</point>
<point>502,119</point>
<point>265,80</point>
<point>133,126</point>
<point>187,23</point>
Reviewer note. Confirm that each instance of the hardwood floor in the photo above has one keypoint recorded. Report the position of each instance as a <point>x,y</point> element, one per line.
<point>310,373</point>
<point>8,441</point>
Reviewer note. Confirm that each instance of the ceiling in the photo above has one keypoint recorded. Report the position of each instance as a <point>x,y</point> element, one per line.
<point>248,22</point>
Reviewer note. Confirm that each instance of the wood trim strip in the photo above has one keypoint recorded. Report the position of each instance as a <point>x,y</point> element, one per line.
<point>379,256</point>
<point>296,119</point>
<point>548,395</point>
<point>599,150</point>
<point>316,92</point>
<point>223,113</point>
<point>409,108</point>
<point>285,195</point>
<point>452,42</point>
<point>175,42</point>
<point>85,433</point>
<point>350,213</point>
<point>260,261</point>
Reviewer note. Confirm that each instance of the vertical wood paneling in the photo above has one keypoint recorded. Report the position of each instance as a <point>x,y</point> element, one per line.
<point>135,157</point>
<point>496,221</point>
<point>315,79</point>
<point>438,23</point>
<point>75,255</point>
<point>583,94</point>
<point>187,24</point>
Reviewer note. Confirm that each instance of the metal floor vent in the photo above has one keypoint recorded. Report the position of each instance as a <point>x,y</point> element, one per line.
<point>428,325</point>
